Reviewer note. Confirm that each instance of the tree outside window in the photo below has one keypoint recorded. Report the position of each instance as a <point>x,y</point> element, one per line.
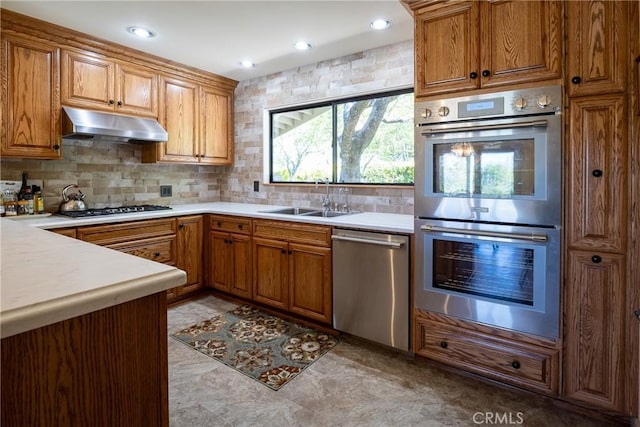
<point>366,140</point>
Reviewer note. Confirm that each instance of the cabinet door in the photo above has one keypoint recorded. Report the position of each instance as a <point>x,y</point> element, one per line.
<point>136,90</point>
<point>521,41</point>
<point>310,282</point>
<point>597,46</point>
<point>597,168</point>
<point>189,257</point>
<point>220,261</point>
<point>594,330</point>
<point>87,81</point>
<point>31,105</point>
<point>270,262</point>
<point>241,283</point>
<point>216,134</point>
<point>178,116</point>
<point>446,43</point>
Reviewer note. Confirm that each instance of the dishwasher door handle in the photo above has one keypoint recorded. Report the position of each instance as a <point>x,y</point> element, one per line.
<point>392,244</point>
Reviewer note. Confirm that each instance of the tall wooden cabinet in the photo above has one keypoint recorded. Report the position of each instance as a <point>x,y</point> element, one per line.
<point>31,104</point>
<point>601,355</point>
<point>471,45</point>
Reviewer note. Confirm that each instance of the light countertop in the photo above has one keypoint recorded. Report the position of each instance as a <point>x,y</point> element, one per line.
<point>394,223</point>
<point>46,278</point>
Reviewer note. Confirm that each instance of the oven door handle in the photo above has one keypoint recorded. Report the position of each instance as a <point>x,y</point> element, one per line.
<point>517,236</point>
<point>534,124</point>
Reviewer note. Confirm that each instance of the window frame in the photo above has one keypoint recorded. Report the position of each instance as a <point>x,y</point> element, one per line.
<point>333,103</point>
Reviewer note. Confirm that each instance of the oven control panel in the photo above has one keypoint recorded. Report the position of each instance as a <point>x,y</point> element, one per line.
<point>532,101</point>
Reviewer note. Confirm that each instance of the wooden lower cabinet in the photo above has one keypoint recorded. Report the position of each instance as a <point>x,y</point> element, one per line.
<point>172,241</point>
<point>521,363</point>
<point>595,329</point>
<point>106,368</point>
<point>230,266</point>
<point>189,238</point>
<point>292,268</point>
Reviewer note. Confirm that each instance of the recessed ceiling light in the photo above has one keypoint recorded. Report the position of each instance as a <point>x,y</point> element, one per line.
<point>302,45</point>
<point>380,24</point>
<point>141,32</point>
<point>247,64</point>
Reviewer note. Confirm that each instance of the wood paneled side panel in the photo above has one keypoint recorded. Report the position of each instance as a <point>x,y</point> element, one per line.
<point>597,165</point>
<point>521,41</point>
<point>31,98</point>
<point>594,330</point>
<point>190,244</point>
<point>596,41</point>
<point>107,368</point>
<point>310,282</point>
<point>136,91</point>
<point>446,41</point>
<point>270,272</point>
<point>87,81</point>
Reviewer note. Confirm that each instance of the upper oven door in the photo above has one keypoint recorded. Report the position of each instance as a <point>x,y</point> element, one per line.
<point>502,170</point>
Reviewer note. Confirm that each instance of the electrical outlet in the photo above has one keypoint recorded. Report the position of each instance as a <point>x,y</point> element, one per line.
<point>166,191</point>
<point>256,185</point>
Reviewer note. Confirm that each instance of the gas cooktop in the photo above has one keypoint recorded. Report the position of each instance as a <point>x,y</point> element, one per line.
<point>113,211</point>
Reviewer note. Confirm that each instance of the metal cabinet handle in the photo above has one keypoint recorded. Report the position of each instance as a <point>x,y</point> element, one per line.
<point>219,224</point>
<point>596,259</point>
<point>473,75</point>
<point>637,313</point>
<point>56,147</point>
<point>392,244</point>
<point>180,225</point>
<point>156,254</point>
<point>443,344</point>
<point>597,173</point>
<point>576,80</point>
<point>486,73</point>
<point>119,103</point>
<point>111,102</point>
<point>515,364</point>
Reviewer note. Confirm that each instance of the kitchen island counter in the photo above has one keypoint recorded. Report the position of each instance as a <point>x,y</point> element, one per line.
<point>386,222</point>
<point>47,278</point>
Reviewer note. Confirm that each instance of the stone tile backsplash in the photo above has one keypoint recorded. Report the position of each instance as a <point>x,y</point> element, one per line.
<point>112,174</point>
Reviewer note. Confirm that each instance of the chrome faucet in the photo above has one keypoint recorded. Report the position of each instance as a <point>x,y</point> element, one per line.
<point>326,200</point>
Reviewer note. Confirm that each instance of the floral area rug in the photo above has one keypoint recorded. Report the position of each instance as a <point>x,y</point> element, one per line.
<point>266,348</point>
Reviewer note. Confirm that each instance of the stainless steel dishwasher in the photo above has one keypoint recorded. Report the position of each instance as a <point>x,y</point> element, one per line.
<point>371,286</point>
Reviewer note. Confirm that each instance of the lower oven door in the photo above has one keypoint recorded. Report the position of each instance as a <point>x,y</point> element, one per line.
<point>501,275</point>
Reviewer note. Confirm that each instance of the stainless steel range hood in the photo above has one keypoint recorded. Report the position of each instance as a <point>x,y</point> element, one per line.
<point>97,126</point>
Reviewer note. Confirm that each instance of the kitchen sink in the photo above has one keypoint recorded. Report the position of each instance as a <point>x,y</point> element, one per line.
<point>294,211</point>
<point>307,212</point>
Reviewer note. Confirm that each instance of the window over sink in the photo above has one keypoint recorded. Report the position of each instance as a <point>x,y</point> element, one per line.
<point>357,140</point>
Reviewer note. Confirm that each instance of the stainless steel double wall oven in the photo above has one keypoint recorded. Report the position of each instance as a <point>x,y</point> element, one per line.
<point>488,208</point>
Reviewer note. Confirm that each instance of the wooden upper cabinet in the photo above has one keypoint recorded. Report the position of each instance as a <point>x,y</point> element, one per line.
<point>446,42</point>
<point>597,173</point>
<point>521,41</point>
<point>597,45</point>
<point>31,104</point>
<point>216,126</point>
<point>470,45</point>
<point>199,120</point>
<point>98,83</point>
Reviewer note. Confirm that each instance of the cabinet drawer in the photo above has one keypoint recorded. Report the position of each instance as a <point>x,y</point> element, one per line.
<point>127,231</point>
<point>230,224</point>
<point>318,235</point>
<point>159,249</point>
<point>524,365</point>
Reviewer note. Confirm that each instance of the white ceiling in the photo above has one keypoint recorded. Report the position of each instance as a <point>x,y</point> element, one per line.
<point>216,35</point>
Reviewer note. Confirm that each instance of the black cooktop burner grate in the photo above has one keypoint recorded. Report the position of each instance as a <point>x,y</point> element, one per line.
<point>113,211</point>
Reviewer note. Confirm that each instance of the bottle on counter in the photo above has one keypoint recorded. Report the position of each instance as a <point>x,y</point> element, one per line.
<point>22,207</point>
<point>38,201</point>
<point>2,208</point>
<point>28,197</point>
<point>10,203</point>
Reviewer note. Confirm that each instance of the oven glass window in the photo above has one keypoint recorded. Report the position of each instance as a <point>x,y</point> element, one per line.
<point>489,269</point>
<point>489,168</point>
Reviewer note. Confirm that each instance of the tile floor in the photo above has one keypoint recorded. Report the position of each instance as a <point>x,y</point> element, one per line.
<point>355,384</point>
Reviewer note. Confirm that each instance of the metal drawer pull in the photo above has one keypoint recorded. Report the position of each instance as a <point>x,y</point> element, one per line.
<point>534,124</point>
<point>518,236</point>
<point>392,244</point>
<point>637,313</point>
